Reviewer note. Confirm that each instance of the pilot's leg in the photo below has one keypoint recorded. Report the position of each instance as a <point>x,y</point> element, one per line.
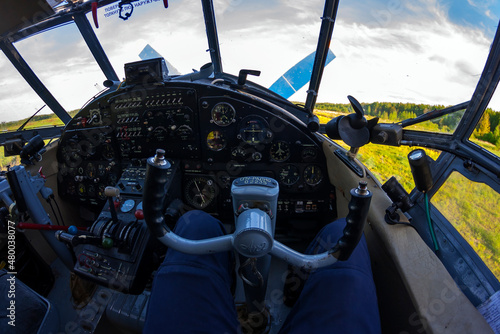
<point>340,298</point>
<point>191,293</point>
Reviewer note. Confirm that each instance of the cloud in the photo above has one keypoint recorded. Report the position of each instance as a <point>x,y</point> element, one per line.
<point>437,63</point>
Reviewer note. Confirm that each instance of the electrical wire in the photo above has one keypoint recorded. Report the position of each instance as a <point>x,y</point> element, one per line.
<point>58,210</point>
<point>51,197</point>
<point>53,212</point>
<point>429,221</point>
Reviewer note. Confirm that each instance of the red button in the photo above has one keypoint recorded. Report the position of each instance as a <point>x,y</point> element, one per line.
<point>139,214</point>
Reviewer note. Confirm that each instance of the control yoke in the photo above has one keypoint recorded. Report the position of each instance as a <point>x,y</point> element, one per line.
<point>254,203</point>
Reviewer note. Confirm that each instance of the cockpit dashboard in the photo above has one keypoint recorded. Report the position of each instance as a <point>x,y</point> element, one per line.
<point>213,133</point>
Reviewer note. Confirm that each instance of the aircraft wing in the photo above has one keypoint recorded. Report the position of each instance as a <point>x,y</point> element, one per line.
<point>297,76</point>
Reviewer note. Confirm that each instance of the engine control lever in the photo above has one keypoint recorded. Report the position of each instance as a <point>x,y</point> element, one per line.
<point>358,213</point>
<point>111,192</point>
<point>78,239</point>
<point>352,129</point>
<point>154,193</point>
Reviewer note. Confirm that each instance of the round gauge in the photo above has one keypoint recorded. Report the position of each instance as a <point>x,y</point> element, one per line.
<point>108,152</point>
<point>72,158</point>
<point>183,131</point>
<point>200,192</point>
<point>280,151</point>
<point>289,175</point>
<point>81,189</point>
<point>216,140</point>
<point>139,206</point>
<point>223,114</point>
<point>309,153</point>
<point>101,192</point>
<point>254,130</point>
<point>238,152</point>
<point>91,191</point>
<point>90,170</point>
<point>63,169</point>
<point>71,190</point>
<point>313,175</point>
<point>128,205</point>
<point>160,134</point>
<point>112,179</point>
<point>86,148</point>
<point>101,170</point>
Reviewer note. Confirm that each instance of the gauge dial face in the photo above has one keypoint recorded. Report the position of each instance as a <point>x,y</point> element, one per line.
<point>82,191</point>
<point>183,132</point>
<point>200,192</point>
<point>238,152</point>
<point>112,178</point>
<point>90,170</point>
<point>280,151</point>
<point>216,140</point>
<point>313,175</point>
<point>91,191</point>
<point>289,175</point>
<point>101,192</point>
<point>101,170</point>
<point>309,154</point>
<point>254,130</point>
<point>160,134</point>
<point>86,148</point>
<point>108,152</point>
<point>70,154</point>
<point>223,114</point>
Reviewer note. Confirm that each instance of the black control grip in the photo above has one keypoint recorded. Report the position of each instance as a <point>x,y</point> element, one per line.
<point>154,193</point>
<point>420,169</point>
<point>75,240</point>
<point>358,212</point>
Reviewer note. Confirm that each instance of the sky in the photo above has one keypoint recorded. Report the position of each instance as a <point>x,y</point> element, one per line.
<point>420,51</point>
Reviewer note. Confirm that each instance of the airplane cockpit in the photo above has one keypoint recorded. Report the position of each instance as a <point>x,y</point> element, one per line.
<point>212,132</point>
<point>91,202</point>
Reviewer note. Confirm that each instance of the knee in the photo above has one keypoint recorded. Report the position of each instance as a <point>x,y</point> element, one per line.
<point>334,229</point>
<point>198,224</point>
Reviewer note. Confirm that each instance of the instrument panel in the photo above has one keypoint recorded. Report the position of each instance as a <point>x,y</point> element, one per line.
<point>216,134</point>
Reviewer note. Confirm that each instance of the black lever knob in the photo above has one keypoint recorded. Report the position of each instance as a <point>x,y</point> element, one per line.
<point>358,213</point>
<point>352,129</point>
<point>154,193</point>
<point>420,169</point>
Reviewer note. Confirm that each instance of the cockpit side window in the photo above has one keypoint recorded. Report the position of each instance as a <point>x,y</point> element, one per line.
<point>472,208</point>
<point>62,61</point>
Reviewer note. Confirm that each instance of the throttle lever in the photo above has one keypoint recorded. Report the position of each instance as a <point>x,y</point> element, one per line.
<point>358,213</point>
<point>154,193</point>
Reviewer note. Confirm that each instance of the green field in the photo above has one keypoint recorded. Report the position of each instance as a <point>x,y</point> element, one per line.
<point>472,208</point>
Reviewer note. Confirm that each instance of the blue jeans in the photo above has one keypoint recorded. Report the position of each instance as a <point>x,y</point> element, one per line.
<point>192,293</point>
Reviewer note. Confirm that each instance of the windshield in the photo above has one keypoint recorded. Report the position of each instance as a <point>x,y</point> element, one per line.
<point>423,52</point>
